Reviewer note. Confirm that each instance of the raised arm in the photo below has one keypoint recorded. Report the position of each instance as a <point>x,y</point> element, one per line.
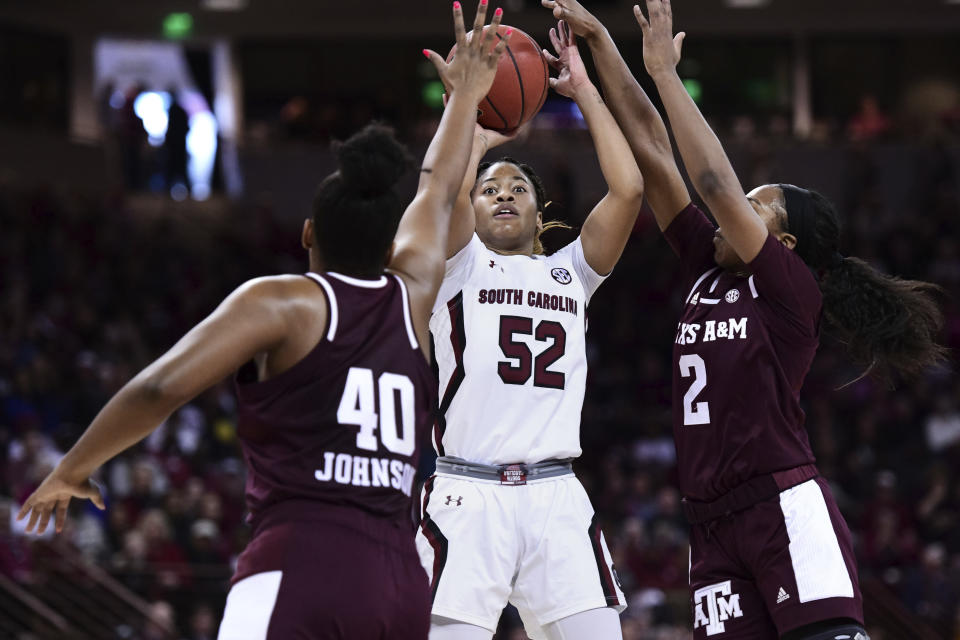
<point>709,168</point>
<point>250,321</point>
<point>421,240</point>
<point>607,228</point>
<point>463,223</point>
<point>639,120</point>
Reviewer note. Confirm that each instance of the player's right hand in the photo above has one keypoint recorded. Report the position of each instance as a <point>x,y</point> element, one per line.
<point>581,22</point>
<point>55,492</point>
<point>661,49</point>
<point>475,63</point>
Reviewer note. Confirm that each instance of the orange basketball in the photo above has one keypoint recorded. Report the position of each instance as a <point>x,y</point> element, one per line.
<point>520,86</point>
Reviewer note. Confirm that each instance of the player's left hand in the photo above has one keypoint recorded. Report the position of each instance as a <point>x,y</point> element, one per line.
<point>55,492</point>
<point>573,75</point>
<point>661,49</point>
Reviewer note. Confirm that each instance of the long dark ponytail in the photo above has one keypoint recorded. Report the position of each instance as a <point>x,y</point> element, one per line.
<point>886,323</point>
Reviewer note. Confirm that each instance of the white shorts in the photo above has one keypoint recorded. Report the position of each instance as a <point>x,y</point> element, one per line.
<point>537,546</point>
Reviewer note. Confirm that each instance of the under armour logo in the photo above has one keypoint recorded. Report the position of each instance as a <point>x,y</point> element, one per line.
<point>458,500</point>
<point>492,264</point>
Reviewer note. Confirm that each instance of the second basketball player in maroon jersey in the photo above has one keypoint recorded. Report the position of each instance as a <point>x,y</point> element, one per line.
<point>771,556</point>
<point>335,395</point>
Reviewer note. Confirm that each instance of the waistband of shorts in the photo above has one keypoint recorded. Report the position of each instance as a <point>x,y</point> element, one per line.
<point>748,494</point>
<point>504,474</point>
<point>298,512</point>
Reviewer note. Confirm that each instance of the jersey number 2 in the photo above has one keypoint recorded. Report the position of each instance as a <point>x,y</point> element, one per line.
<point>698,413</point>
<point>357,407</point>
<point>519,373</point>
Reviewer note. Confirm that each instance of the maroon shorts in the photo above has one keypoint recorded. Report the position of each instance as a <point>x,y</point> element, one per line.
<point>778,565</point>
<point>342,574</point>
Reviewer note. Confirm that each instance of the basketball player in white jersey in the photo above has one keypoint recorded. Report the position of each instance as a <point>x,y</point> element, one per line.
<point>504,519</point>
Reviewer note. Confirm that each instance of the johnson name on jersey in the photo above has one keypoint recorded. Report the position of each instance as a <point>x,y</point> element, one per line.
<point>510,342</point>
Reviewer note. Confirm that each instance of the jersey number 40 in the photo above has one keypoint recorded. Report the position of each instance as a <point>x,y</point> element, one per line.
<point>519,373</point>
<point>357,407</point>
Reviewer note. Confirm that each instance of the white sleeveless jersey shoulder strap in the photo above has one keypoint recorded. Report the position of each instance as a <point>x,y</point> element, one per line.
<point>331,299</point>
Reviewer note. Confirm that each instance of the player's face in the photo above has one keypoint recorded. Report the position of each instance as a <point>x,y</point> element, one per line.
<point>505,205</point>
<point>767,201</point>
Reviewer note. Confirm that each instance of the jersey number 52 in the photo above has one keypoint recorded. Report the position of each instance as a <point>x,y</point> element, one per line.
<point>547,330</point>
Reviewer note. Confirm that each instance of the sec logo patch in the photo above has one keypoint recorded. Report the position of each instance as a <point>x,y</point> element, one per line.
<point>561,275</point>
<point>732,296</point>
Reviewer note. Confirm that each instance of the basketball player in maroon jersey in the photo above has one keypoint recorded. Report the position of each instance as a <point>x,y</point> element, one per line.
<point>771,556</point>
<point>335,393</point>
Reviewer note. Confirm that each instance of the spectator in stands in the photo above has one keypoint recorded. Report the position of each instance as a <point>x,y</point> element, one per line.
<point>929,591</point>
<point>203,623</point>
<point>869,122</point>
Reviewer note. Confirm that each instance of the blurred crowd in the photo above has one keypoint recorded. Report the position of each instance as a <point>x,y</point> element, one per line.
<point>91,291</point>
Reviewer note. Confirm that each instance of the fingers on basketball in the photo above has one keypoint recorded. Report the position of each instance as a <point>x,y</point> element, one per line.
<point>491,32</point>
<point>501,46</point>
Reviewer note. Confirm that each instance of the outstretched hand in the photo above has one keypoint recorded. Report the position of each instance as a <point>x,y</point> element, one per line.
<point>474,65</point>
<point>54,493</point>
<point>661,49</point>
<point>572,74</point>
<point>581,21</point>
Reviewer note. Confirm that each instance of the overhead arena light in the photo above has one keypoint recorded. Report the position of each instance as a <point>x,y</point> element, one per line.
<point>746,4</point>
<point>224,5</point>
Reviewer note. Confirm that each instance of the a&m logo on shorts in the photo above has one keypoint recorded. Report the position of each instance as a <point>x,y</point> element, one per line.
<point>732,296</point>
<point>561,275</point>
<point>714,604</point>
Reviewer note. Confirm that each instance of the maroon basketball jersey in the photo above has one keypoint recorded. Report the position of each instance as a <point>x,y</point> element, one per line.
<point>344,425</point>
<point>742,349</point>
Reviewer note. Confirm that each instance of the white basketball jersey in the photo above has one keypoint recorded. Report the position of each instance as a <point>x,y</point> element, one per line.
<point>509,335</point>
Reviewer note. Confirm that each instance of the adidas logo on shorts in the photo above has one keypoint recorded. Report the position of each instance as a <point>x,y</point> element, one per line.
<point>782,595</point>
